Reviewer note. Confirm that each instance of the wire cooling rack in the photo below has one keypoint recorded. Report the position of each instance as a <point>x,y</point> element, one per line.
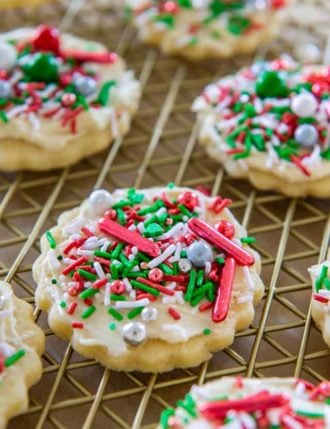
<point>161,147</point>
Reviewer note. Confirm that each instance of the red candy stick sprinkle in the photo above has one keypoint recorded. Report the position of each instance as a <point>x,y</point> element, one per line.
<point>222,300</point>
<point>94,57</point>
<point>212,236</point>
<point>112,228</point>
<point>258,402</point>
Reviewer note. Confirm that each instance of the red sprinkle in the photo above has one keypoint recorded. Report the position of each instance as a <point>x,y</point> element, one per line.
<point>222,301</point>
<point>212,236</point>
<point>112,228</point>
<point>320,298</point>
<point>225,228</point>
<point>72,308</point>
<point>156,286</point>
<point>77,325</point>
<point>205,306</point>
<point>74,265</point>
<point>117,287</point>
<point>175,314</point>
<point>297,161</point>
<point>219,204</point>
<point>94,57</point>
<point>99,283</point>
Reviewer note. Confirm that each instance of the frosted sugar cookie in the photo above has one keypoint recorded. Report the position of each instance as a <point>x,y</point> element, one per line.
<point>11,4</point>
<point>62,98</point>
<point>230,402</point>
<point>269,123</point>
<point>320,275</point>
<point>205,28</point>
<point>148,280</point>
<point>21,344</point>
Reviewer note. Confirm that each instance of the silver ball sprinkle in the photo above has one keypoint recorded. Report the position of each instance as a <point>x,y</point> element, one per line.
<point>149,314</point>
<point>198,253</point>
<point>5,89</point>
<point>100,201</point>
<point>85,85</point>
<point>306,135</point>
<point>134,333</point>
<point>185,265</point>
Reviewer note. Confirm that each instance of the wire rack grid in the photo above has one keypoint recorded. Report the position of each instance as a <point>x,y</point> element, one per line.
<point>162,147</point>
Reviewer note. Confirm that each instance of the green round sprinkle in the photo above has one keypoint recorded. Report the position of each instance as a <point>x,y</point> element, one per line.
<point>62,304</point>
<point>54,281</point>
<point>112,326</point>
<point>207,331</point>
<point>88,312</point>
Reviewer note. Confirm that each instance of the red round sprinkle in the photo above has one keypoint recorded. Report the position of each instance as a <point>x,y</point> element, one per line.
<point>225,228</point>
<point>46,38</point>
<point>117,287</point>
<point>111,214</point>
<point>170,7</point>
<point>188,199</point>
<point>156,275</point>
<point>68,99</point>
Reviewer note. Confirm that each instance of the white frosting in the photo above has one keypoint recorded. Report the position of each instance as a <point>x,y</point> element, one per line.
<point>164,327</point>
<point>48,132</point>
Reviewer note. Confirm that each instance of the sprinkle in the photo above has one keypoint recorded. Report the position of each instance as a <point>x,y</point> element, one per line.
<point>77,325</point>
<point>88,293</point>
<point>133,304</point>
<point>156,286</point>
<point>88,312</point>
<point>74,265</point>
<point>211,235</point>
<point>247,240</point>
<point>222,302</point>
<point>72,308</point>
<point>142,286</point>
<point>173,313</point>
<point>113,229</point>
<point>135,312</point>
<point>51,240</point>
<point>115,314</point>
<point>112,326</point>
<point>14,358</point>
<point>191,285</point>
<point>162,257</point>
<point>87,275</point>
<point>207,331</point>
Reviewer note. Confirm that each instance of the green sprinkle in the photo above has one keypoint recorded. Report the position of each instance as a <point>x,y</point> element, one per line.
<point>191,285</point>
<point>183,209</point>
<point>104,94</point>
<point>171,185</point>
<point>167,270</point>
<point>220,260</point>
<point>115,297</point>
<point>62,304</point>
<point>151,220</point>
<point>126,262</point>
<point>15,357</point>
<point>200,278</point>
<point>101,254</point>
<point>115,314</point>
<point>144,287</point>
<point>153,230</point>
<point>238,24</point>
<point>115,254</point>
<point>323,275</point>
<point>114,271</point>
<point>135,274</point>
<point>4,117</point>
<point>143,257</point>
<point>164,417</point>
<point>248,240</point>
<point>54,281</point>
<point>112,326</point>
<point>195,300</point>
<point>166,19</point>
<point>51,240</point>
<point>122,203</point>
<point>151,209</point>
<point>87,293</point>
<point>134,197</point>
<point>87,275</point>
<point>326,283</point>
<point>207,331</point>
<point>121,216</point>
<point>88,312</point>
<point>135,312</point>
<point>310,414</point>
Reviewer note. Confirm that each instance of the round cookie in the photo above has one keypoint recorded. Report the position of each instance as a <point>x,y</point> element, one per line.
<point>205,28</point>
<point>11,4</point>
<point>62,98</point>
<point>269,123</point>
<point>143,280</point>
<point>241,403</point>
<point>320,275</point>
<point>21,345</point>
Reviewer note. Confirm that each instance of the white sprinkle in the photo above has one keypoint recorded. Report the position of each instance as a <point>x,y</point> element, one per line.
<point>105,246</point>
<point>140,227</point>
<point>132,294</point>
<point>300,389</point>
<point>131,257</point>
<point>162,257</point>
<point>99,270</point>
<point>247,420</point>
<point>248,278</point>
<point>34,121</point>
<point>291,423</point>
<point>83,252</point>
<point>132,227</point>
<point>134,250</point>
<point>169,234</point>
<point>53,260</point>
<point>15,111</point>
<point>132,304</point>
<point>68,261</point>
<point>207,268</point>
<point>107,300</point>
<point>171,286</point>
<point>324,292</point>
<point>179,297</point>
<point>169,300</point>
<point>127,285</point>
<point>75,226</point>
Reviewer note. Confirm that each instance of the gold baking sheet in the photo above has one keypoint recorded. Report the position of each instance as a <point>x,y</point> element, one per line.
<point>77,393</point>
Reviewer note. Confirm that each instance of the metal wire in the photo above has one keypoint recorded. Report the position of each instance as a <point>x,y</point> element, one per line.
<point>162,147</point>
